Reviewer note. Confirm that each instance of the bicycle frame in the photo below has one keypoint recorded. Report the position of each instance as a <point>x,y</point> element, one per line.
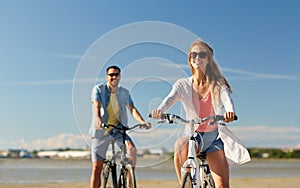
<point>200,173</point>
<point>125,167</point>
<point>124,160</point>
<point>191,164</point>
<point>113,164</point>
<point>118,156</point>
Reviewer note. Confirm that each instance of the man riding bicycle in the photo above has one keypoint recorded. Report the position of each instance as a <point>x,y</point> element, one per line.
<point>109,107</point>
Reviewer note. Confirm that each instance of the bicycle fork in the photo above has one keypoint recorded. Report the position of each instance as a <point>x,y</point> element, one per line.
<point>204,172</point>
<point>191,165</point>
<point>114,166</point>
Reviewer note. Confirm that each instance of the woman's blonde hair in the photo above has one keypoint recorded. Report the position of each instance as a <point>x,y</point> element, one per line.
<point>213,74</point>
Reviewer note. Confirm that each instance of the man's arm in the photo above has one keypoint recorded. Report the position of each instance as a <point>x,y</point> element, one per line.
<point>136,114</point>
<point>97,116</point>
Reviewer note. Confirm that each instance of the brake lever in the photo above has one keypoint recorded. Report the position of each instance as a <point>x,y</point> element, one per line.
<point>162,121</point>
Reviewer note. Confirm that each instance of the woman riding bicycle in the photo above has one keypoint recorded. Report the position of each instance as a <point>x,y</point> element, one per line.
<point>205,93</point>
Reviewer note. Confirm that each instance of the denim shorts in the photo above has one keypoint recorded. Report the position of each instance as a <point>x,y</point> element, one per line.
<point>100,146</point>
<point>209,141</point>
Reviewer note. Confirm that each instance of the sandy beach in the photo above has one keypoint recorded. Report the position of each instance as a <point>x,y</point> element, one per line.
<point>235,183</point>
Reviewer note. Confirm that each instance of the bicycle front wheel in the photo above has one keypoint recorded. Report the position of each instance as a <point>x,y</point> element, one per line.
<point>107,168</point>
<point>105,174</point>
<point>186,181</point>
<point>211,182</point>
<point>127,178</point>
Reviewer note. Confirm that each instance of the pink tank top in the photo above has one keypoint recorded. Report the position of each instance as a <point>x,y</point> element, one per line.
<point>204,108</point>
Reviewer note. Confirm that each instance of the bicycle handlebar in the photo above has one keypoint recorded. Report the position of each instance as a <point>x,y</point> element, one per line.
<point>123,128</point>
<point>171,118</point>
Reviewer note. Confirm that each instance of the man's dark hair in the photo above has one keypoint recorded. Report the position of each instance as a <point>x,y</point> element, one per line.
<point>113,67</point>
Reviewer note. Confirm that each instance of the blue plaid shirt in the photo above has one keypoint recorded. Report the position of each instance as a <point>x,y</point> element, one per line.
<point>101,93</point>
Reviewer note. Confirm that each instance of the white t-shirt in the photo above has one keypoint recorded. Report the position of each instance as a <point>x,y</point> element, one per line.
<point>182,90</point>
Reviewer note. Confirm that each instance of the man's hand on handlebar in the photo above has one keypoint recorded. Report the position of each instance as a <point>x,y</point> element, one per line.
<point>98,124</point>
<point>145,125</point>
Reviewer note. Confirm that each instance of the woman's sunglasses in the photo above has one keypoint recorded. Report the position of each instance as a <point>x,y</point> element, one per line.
<point>202,55</point>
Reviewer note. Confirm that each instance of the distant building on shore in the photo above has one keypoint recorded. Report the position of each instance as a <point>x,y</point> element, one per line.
<point>64,154</point>
<point>15,153</point>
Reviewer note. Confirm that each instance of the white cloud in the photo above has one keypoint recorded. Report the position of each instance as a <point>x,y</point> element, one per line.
<point>248,75</point>
<point>86,80</point>
<point>242,76</point>
<point>268,136</point>
<point>156,138</point>
<point>159,137</point>
<point>56,142</point>
<point>255,75</point>
<point>251,136</point>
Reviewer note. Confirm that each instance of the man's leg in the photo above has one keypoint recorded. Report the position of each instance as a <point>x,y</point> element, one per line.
<point>96,174</point>
<point>98,153</point>
<point>131,151</point>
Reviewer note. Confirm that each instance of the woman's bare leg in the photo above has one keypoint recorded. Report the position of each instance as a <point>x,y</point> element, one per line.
<point>180,154</point>
<point>219,168</point>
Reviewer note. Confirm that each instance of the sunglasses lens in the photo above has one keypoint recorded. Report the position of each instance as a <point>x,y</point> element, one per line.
<point>114,74</point>
<point>193,55</point>
<point>202,55</point>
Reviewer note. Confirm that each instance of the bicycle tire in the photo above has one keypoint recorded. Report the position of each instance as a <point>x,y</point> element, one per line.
<point>128,172</point>
<point>114,175</point>
<point>186,181</point>
<point>105,174</point>
<point>107,168</point>
<point>211,182</point>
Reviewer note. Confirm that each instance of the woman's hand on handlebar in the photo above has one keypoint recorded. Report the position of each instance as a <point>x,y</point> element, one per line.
<point>229,116</point>
<point>156,114</point>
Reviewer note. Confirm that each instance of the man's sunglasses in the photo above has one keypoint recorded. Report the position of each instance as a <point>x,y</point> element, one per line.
<point>202,55</point>
<point>114,74</point>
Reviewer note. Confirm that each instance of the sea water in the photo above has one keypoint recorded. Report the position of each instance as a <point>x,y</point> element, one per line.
<point>50,170</point>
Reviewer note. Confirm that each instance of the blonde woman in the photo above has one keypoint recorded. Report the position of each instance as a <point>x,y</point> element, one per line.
<point>206,93</point>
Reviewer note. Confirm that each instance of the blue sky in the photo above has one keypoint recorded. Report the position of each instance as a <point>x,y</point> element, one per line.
<point>256,44</point>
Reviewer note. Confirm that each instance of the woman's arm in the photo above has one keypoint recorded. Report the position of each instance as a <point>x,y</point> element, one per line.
<point>228,104</point>
<point>168,102</point>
